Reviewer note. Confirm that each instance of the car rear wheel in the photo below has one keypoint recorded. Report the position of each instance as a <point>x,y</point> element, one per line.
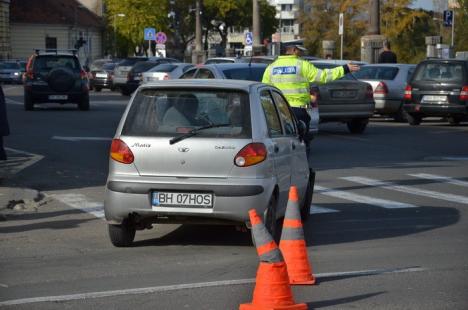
<point>122,235</point>
<point>454,120</point>
<point>357,125</point>
<point>413,119</point>
<point>28,101</point>
<point>83,105</point>
<point>305,208</point>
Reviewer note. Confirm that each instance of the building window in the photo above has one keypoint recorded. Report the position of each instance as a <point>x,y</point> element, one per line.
<point>50,43</point>
<point>286,7</point>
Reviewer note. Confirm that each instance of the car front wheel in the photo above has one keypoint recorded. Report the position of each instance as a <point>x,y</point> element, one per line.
<point>122,235</point>
<point>357,125</point>
<point>413,119</point>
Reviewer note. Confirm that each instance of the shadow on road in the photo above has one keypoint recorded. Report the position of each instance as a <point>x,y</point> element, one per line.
<point>340,301</point>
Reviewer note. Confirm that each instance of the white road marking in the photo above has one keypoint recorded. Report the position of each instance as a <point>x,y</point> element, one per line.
<point>317,210</point>
<point>168,288</point>
<point>408,189</point>
<point>440,178</point>
<point>15,164</point>
<point>383,203</point>
<point>81,202</point>
<point>75,139</point>
<point>451,158</point>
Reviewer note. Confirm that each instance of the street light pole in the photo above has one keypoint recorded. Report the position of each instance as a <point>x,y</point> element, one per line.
<point>115,32</point>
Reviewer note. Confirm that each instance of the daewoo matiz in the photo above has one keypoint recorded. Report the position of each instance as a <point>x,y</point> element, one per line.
<point>204,151</point>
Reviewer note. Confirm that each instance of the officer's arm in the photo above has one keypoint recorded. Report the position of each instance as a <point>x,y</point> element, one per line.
<point>322,76</point>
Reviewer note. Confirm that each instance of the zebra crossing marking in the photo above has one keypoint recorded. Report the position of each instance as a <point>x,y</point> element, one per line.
<point>440,178</point>
<point>407,189</point>
<point>81,202</point>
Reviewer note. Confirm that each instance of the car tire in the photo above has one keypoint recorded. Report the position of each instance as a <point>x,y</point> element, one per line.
<point>97,88</point>
<point>28,101</point>
<point>122,235</point>
<point>83,105</point>
<point>413,119</point>
<point>401,116</point>
<point>357,125</point>
<point>305,208</point>
<point>272,224</point>
<point>454,120</point>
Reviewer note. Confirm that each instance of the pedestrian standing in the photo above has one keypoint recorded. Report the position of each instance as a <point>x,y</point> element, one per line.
<point>293,75</point>
<point>387,56</point>
<point>4,128</point>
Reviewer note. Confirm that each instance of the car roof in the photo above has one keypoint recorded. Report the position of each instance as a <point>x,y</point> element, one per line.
<point>390,65</point>
<point>203,83</point>
<point>444,60</point>
<point>224,66</point>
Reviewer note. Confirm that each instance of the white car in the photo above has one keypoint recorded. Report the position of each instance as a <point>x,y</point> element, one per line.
<point>166,71</point>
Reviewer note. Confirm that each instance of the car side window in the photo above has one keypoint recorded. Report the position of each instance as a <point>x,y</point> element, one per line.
<point>285,114</point>
<point>271,115</point>
<point>188,74</point>
<point>204,74</point>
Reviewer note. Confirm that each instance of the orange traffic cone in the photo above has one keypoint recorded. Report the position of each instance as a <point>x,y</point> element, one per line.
<point>292,243</point>
<point>272,290</point>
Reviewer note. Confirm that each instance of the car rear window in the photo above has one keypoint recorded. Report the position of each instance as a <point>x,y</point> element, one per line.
<point>376,73</point>
<point>163,68</point>
<point>247,73</point>
<point>44,64</point>
<point>131,61</point>
<point>440,72</point>
<point>109,66</point>
<point>144,66</point>
<point>98,65</point>
<point>171,112</point>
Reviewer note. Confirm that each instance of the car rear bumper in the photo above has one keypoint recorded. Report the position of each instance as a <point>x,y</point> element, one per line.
<point>101,82</point>
<point>232,199</point>
<point>345,112</point>
<point>436,109</point>
<point>387,106</point>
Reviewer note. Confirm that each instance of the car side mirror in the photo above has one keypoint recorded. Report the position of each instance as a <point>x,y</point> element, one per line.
<point>302,129</point>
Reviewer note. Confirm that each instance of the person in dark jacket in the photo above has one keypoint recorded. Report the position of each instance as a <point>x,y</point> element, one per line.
<point>387,56</point>
<point>4,128</point>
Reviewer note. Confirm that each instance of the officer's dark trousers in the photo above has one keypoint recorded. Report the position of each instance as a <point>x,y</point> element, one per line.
<point>302,115</point>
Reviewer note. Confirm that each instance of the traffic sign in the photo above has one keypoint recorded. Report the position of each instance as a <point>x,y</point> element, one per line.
<point>149,33</point>
<point>340,24</point>
<point>448,18</point>
<point>161,38</point>
<point>248,38</point>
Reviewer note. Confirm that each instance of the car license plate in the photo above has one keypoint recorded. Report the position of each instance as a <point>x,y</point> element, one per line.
<point>101,75</point>
<point>171,199</point>
<point>429,98</point>
<point>343,93</point>
<point>58,97</point>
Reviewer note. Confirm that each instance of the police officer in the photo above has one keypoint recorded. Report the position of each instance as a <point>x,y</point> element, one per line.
<point>292,75</point>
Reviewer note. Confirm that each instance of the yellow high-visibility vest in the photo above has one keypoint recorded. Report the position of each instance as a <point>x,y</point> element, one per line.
<point>292,75</point>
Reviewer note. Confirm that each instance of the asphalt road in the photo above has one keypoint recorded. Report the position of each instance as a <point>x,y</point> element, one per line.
<point>388,226</point>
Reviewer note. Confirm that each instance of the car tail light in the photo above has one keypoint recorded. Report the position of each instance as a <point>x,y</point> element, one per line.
<point>83,74</point>
<point>121,152</point>
<point>369,92</point>
<point>464,93</point>
<point>381,89</point>
<point>251,154</point>
<point>314,96</point>
<point>29,70</point>
<point>408,93</point>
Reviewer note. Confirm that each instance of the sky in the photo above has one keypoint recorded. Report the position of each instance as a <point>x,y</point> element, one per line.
<point>425,4</point>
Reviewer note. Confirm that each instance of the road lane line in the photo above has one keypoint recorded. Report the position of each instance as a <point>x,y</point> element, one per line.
<point>81,202</point>
<point>440,178</point>
<point>383,203</point>
<point>314,209</point>
<point>408,189</point>
<point>167,288</point>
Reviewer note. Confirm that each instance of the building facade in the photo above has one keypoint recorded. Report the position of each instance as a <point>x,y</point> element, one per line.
<point>5,48</point>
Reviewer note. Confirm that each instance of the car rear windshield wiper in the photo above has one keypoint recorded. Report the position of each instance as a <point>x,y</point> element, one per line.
<point>195,131</point>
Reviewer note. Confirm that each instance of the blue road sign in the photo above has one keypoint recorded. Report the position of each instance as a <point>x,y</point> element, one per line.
<point>248,38</point>
<point>448,18</point>
<point>150,33</point>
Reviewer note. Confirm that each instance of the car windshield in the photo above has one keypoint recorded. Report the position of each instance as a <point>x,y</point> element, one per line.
<point>163,68</point>
<point>173,112</point>
<point>347,77</point>
<point>44,64</point>
<point>440,72</point>
<point>247,73</point>
<point>376,73</point>
<point>9,65</point>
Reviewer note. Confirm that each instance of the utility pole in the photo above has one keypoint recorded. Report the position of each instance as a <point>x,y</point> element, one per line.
<point>197,55</point>
<point>257,44</point>
<point>372,42</point>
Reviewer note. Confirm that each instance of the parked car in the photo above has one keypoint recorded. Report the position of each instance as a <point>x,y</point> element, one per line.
<point>165,72</point>
<point>222,60</point>
<point>11,72</point>
<point>388,83</point>
<point>438,87</point>
<point>119,77</point>
<point>55,77</point>
<point>204,151</point>
<point>244,71</point>
<point>346,100</point>
<point>135,75</point>
<point>102,78</point>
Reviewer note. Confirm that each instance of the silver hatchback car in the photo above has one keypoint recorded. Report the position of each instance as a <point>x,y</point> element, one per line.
<point>204,151</point>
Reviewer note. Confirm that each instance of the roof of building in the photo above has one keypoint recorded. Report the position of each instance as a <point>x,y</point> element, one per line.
<point>61,12</point>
